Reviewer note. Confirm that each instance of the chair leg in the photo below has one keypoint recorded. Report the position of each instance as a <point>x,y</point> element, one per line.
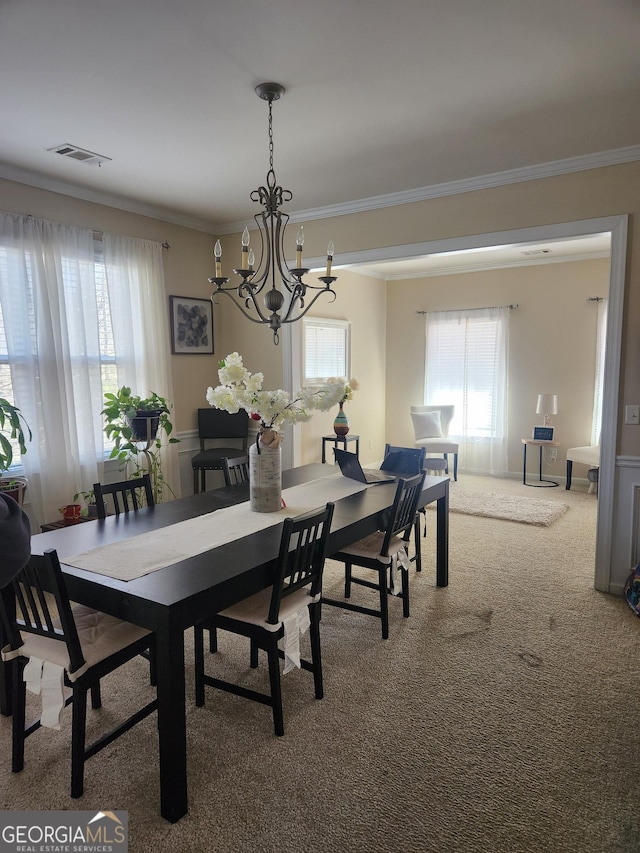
<point>195,481</point>
<point>253,661</point>
<point>569,472</point>
<point>405,592</point>
<point>455,466</point>
<point>446,463</point>
<point>316,658</point>
<point>19,703</point>
<point>416,532</point>
<point>384,601</point>
<point>96,699</point>
<point>198,644</point>
<point>213,640</point>
<point>78,726</point>
<point>276,691</point>
<point>347,580</point>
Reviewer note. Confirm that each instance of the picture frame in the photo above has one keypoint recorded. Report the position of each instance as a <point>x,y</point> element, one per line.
<point>543,433</point>
<point>191,325</point>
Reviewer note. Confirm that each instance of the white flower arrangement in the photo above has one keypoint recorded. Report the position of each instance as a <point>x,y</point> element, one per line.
<point>240,389</point>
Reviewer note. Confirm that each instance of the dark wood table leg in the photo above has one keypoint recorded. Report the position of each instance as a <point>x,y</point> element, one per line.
<point>172,734</point>
<point>442,544</point>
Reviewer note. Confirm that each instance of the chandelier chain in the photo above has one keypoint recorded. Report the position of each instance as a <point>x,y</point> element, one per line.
<point>270,135</point>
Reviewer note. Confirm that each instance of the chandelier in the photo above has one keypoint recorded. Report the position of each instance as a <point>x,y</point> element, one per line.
<point>281,289</point>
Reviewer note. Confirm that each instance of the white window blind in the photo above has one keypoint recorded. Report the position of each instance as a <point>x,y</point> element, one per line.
<point>326,349</point>
<point>466,366</point>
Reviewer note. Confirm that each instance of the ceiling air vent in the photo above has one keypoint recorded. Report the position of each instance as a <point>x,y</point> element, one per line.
<point>537,252</point>
<point>80,154</point>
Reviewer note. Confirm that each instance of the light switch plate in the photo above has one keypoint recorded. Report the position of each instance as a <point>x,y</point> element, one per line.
<point>632,415</point>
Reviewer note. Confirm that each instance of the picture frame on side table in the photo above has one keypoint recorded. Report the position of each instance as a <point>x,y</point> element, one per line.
<point>191,325</point>
<point>543,433</point>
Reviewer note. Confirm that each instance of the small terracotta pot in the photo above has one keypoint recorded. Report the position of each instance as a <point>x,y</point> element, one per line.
<point>70,514</point>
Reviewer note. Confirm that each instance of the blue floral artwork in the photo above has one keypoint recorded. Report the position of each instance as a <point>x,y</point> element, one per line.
<point>191,325</point>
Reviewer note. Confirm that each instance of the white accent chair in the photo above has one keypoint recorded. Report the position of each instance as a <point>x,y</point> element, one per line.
<point>431,428</point>
<point>588,455</point>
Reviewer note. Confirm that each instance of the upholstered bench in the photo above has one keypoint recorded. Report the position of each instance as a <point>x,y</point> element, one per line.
<point>589,456</point>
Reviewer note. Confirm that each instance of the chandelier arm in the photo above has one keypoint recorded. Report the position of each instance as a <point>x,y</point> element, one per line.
<point>289,319</point>
<point>263,317</point>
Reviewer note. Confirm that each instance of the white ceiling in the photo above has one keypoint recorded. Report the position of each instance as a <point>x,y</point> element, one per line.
<point>382,97</point>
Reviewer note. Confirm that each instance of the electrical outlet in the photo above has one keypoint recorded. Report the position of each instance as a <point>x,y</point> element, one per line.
<point>632,415</point>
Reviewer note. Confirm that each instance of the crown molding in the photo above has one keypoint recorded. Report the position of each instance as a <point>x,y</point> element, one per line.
<point>33,179</point>
<point>496,179</point>
<point>527,173</point>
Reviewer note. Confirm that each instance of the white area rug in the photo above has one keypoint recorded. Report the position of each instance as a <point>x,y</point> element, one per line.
<point>509,507</point>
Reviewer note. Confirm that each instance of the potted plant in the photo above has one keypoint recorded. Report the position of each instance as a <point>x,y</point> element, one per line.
<point>12,428</point>
<point>91,510</point>
<point>138,428</point>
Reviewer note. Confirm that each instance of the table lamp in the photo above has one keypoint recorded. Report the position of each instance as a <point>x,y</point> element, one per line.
<point>547,405</point>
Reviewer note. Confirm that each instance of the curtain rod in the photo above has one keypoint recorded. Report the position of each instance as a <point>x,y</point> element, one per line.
<point>99,234</point>
<point>487,308</point>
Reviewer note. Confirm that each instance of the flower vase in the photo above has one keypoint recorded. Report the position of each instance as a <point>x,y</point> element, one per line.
<point>265,479</point>
<point>341,423</point>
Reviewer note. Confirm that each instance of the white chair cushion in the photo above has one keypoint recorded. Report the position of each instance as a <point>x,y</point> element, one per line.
<point>100,635</point>
<point>589,455</point>
<point>427,424</point>
<point>371,545</point>
<point>438,445</point>
<point>255,609</point>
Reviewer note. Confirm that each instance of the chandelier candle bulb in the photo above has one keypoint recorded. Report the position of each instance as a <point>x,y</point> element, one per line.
<point>252,259</point>
<point>245,250</point>
<point>299,244</point>
<point>217,251</point>
<point>330,250</point>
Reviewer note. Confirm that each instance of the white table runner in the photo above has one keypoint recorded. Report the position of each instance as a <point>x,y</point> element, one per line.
<point>139,555</point>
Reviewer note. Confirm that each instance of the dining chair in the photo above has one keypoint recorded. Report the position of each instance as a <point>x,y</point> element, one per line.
<point>235,470</point>
<point>54,645</point>
<point>279,613</point>
<point>431,427</point>
<point>216,424</point>
<point>122,493</point>
<point>409,460</point>
<point>384,552</point>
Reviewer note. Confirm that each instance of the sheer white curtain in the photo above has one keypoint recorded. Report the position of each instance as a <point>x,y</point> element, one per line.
<point>601,342</point>
<point>466,365</point>
<point>47,291</point>
<point>139,314</point>
<point>50,313</point>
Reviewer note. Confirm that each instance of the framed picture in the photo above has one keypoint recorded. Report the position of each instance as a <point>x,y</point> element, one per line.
<point>191,325</point>
<point>542,433</point>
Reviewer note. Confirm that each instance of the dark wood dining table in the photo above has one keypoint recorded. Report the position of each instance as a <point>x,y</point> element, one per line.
<point>172,599</point>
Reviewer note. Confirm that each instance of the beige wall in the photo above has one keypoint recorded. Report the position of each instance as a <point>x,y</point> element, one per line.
<point>361,300</point>
<point>551,347</point>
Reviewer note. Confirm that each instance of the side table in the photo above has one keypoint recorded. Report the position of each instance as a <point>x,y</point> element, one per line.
<point>542,483</point>
<point>343,439</point>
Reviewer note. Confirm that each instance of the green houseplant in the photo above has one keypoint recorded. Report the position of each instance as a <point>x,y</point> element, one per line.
<point>12,428</point>
<point>139,427</point>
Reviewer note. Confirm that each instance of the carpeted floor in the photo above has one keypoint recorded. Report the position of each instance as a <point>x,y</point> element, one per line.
<point>501,716</point>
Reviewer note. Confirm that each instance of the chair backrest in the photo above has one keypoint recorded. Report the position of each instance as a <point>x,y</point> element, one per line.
<point>300,563</point>
<point>36,602</point>
<point>216,423</point>
<point>125,495</point>
<point>403,512</point>
<point>406,460</point>
<point>446,416</point>
<point>235,469</point>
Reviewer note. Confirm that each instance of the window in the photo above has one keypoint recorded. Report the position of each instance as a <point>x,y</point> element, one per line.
<point>466,366</point>
<point>326,349</point>
<point>78,317</point>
